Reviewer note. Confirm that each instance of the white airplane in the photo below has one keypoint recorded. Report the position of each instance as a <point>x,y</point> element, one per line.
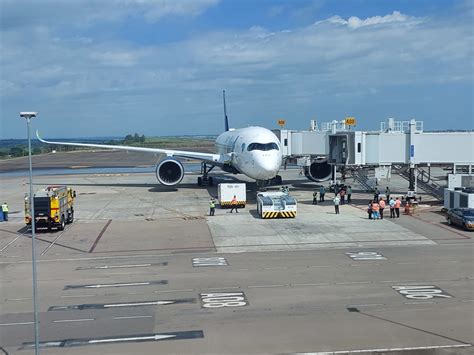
<point>252,151</point>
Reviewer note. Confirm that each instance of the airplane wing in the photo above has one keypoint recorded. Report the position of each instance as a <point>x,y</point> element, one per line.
<point>207,157</point>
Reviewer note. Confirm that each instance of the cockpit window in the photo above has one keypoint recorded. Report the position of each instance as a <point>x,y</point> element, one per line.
<point>262,146</point>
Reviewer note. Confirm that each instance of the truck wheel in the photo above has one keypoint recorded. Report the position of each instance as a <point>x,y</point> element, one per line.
<point>62,225</point>
<point>71,217</point>
<point>49,227</point>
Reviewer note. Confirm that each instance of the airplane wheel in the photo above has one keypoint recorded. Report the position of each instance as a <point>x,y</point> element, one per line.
<point>199,181</point>
<point>278,180</point>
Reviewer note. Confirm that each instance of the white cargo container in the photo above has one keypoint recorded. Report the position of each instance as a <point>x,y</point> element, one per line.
<point>227,191</point>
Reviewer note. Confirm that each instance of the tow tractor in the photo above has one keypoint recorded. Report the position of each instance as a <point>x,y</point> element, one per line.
<point>275,205</point>
<point>54,207</point>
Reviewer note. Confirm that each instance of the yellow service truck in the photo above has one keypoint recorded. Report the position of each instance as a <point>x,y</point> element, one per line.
<point>54,207</point>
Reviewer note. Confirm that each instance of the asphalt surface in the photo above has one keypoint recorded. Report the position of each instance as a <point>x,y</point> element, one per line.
<point>143,269</point>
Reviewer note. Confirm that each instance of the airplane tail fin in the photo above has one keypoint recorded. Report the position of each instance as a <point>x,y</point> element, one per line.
<point>226,120</point>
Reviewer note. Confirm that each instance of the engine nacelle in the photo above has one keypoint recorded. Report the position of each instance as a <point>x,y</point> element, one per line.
<point>169,171</point>
<point>319,170</point>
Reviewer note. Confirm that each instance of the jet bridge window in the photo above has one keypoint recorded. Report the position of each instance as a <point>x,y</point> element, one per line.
<point>262,146</point>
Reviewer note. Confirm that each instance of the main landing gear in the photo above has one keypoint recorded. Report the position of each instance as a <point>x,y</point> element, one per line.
<point>205,180</point>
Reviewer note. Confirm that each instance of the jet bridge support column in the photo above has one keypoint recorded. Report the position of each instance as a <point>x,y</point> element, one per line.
<point>412,183</point>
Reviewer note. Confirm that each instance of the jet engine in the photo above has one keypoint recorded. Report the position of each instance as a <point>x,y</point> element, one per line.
<point>319,170</point>
<point>169,171</point>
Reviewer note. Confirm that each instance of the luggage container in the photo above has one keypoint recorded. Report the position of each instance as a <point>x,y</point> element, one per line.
<point>227,191</point>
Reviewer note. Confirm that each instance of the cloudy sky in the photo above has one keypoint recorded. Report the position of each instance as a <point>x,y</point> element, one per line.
<point>158,67</point>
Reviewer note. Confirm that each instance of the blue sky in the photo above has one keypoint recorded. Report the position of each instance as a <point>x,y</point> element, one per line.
<point>109,68</point>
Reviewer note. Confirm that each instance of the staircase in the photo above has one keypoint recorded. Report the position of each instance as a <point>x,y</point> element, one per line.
<point>423,181</point>
<point>362,178</point>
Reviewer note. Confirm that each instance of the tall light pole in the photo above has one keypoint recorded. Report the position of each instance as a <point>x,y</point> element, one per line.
<point>28,116</point>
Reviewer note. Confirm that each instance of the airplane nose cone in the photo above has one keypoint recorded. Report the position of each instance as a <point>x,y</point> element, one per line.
<point>268,165</point>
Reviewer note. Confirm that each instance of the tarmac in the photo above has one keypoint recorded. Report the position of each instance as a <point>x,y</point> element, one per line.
<point>144,269</point>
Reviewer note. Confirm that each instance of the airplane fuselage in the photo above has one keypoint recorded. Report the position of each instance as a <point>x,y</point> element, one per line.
<point>253,151</point>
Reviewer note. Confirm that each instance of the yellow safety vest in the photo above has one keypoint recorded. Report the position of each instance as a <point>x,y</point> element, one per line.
<point>4,207</point>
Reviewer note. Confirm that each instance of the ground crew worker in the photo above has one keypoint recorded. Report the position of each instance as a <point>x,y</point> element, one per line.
<point>387,194</point>
<point>369,209</point>
<point>315,197</point>
<point>336,201</point>
<point>322,192</point>
<point>392,207</point>
<point>233,203</point>
<point>376,194</point>
<point>382,206</point>
<point>5,211</point>
<point>349,194</point>
<point>342,193</point>
<point>398,203</point>
<point>212,207</point>
<point>375,210</point>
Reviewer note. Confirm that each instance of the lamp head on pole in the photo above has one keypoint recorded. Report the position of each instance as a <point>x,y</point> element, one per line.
<point>28,115</point>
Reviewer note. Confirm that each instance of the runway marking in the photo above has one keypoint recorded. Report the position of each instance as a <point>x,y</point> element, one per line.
<point>276,268</point>
<point>77,296</point>
<point>380,350</point>
<point>20,323</point>
<point>56,239</point>
<point>118,305</point>
<point>140,283</point>
<point>314,266</point>
<point>212,261</point>
<point>221,288</point>
<point>408,263</point>
<point>365,255</point>
<point>221,299</point>
<point>10,243</point>
<point>264,286</point>
<point>191,334</point>
<point>120,266</point>
<point>421,292</point>
<point>19,299</point>
<point>96,241</point>
<point>132,317</point>
<point>353,283</point>
<point>73,320</point>
<point>419,302</point>
<point>367,305</point>
<point>168,291</point>
<point>320,284</point>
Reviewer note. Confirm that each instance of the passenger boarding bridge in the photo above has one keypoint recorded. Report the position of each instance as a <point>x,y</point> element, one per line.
<point>399,145</point>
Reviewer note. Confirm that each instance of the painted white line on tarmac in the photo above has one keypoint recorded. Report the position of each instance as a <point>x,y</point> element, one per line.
<point>419,302</point>
<point>153,337</point>
<point>353,283</point>
<point>183,290</point>
<point>19,323</point>
<point>265,286</point>
<point>76,296</point>
<point>119,285</point>
<point>399,281</point>
<point>319,266</point>
<point>320,284</point>
<point>151,303</point>
<point>19,299</point>
<point>367,305</point>
<point>276,268</point>
<point>386,349</point>
<point>408,263</point>
<point>73,320</point>
<point>132,317</point>
<point>467,301</point>
<point>220,288</point>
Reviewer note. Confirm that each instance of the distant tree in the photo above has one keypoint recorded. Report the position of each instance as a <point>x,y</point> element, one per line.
<point>16,152</point>
<point>142,138</point>
<point>36,151</point>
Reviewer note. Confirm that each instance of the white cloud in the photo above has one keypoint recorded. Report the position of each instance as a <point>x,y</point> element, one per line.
<point>265,70</point>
